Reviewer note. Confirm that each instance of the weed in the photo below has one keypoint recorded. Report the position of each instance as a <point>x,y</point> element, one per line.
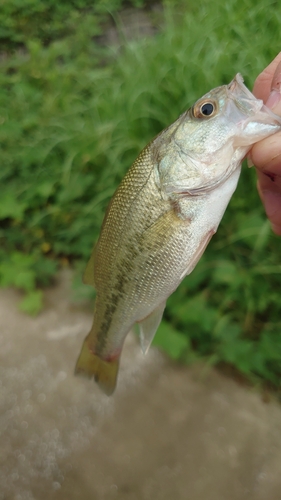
<point>71,125</point>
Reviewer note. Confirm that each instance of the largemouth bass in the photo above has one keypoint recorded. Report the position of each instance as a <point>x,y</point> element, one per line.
<point>162,217</point>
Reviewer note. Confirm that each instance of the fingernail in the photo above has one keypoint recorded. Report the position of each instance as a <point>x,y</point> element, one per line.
<point>276,80</point>
<point>274,99</point>
<point>250,162</point>
<point>272,203</point>
<point>275,94</point>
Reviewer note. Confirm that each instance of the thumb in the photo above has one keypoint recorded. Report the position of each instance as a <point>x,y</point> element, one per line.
<point>274,100</point>
<point>266,155</point>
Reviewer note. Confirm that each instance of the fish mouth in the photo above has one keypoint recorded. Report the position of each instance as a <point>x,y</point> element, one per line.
<point>238,83</point>
<point>243,97</point>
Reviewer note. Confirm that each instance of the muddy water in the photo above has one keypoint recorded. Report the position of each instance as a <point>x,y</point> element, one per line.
<point>168,432</point>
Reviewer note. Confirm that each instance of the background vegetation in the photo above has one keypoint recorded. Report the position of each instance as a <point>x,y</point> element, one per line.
<point>75,112</point>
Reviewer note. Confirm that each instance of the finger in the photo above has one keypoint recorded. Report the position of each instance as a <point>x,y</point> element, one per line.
<point>269,181</point>
<point>266,154</point>
<point>271,199</point>
<point>262,84</point>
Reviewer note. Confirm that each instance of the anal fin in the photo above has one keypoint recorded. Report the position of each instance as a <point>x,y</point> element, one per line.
<point>149,325</point>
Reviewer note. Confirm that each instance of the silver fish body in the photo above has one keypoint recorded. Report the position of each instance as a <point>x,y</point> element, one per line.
<point>162,217</point>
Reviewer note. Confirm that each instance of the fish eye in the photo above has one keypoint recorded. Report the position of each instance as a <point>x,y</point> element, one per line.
<point>204,109</point>
<point>207,109</point>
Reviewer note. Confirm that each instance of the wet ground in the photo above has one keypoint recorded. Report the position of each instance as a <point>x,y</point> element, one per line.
<point>169,432</point>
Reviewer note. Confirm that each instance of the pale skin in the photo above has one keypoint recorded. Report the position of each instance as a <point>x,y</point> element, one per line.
<point>266,154</point>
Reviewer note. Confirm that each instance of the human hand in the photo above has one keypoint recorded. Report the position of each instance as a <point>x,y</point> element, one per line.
<point>266,154</point>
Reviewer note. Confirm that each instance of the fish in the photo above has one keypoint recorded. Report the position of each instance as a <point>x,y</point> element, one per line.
<point>161,218</point>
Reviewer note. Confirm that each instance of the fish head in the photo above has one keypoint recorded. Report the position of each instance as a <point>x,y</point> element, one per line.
<point>208,142</point>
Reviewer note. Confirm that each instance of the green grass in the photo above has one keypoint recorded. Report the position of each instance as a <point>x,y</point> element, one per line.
<point>74,116</point>
<point>49,20</point>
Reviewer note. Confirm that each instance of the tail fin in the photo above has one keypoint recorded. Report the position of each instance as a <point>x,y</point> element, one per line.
<point>91,366</point>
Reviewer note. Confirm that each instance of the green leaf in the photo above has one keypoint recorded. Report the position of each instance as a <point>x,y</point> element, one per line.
<point>32,302</point>
<point>170,340</point>
<point>10,206</point>
<point>226,272</point>
<point>17,271</point>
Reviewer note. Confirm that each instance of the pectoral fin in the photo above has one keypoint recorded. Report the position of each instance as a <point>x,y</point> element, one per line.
<point>149,325</point>
<point>198,254</point>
